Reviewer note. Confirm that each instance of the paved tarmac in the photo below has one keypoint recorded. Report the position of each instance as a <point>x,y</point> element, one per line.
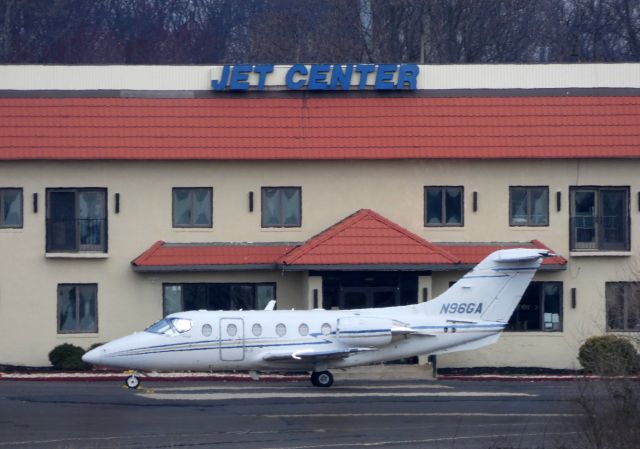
<point>247,415</point>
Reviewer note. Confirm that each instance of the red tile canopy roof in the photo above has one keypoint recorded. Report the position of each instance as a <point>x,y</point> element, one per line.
<point>364,240</point>
<point>320,128</point>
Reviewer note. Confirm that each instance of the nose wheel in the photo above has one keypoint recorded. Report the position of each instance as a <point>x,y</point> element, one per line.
<point>321,379</point>
<point>132,382</point>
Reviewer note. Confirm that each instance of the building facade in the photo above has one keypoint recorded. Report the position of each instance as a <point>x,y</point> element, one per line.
<point>127,193</point>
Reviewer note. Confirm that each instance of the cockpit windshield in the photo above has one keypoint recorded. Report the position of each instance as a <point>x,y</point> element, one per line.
<point>170,326</point>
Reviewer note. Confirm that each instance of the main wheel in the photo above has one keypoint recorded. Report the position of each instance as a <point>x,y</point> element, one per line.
<point>322,379</point>
<point>132,382</point>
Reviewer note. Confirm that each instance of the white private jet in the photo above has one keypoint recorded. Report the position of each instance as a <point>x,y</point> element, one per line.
<point>470,315</point>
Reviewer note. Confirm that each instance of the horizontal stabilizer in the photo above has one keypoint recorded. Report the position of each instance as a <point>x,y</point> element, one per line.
<point>312,354</point>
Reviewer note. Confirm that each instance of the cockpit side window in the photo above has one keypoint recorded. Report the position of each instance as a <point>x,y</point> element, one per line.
<point>160,327</point>
<point>170,326</point>
<point>181,325</point>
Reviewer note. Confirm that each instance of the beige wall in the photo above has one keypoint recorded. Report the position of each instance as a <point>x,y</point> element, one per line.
<point>331,190</point>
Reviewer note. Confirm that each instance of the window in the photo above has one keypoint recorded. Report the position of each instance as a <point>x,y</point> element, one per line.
<point>623,306</point>
<point>10,208</point>
<point>217,296</point>
<point>325,329</point>
<point>77,308</point>
<point>256,329</point>
<point>600,218</point>
<point>540,308</point>
<point>303,330</point>
<point>281,207</point>
<point>443,206</point>
<point>281,330</point>
<point>76,220</point>
<point>528,206</point>
<point>206,330</point>
<point>193,207</point>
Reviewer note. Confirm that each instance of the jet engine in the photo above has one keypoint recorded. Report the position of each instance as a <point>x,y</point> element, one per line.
<point>365,331</point>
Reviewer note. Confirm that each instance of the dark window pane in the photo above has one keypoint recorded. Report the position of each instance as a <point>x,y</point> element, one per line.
<point>172,299</point>
<point>552,306</point>
<point>270,207</point>
<point>11,208</point>
<point>62,221</point>
<point>202,207</point>
<point>87,309</point>
<point>454,206</point>
<point>434,206</point>
<point>67,308</point>
<point>264,293</point>
<point>519,201</point>
<point>614,293</point>
<point>91,210</point>
<point>181,207</point>
<point>613,217</point>
<point>539,206</point>
<point>291,207</point>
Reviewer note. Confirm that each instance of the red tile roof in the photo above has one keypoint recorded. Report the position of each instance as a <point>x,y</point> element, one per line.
<point>473,253</point>
<point>320,128</point>
<point>367,238</point>
<point>207,256</point>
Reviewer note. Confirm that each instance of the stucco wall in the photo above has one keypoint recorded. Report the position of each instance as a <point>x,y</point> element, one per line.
<point>331,190</point>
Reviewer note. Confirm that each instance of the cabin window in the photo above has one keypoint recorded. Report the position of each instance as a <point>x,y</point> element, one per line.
<point>623,306</point>
<point>303,330</point>
<point>540,309</point>
<point>325,329</point>
<point>215,296</point>
<point>232,330</point>
<point>281,330</point>
<point>193,207</point>
<point>599,219</point>
<point>443,206</point>
<point>77,308</point>
<point>281,207</point>
<point>11,208</point>
<point>528,206</point>
<point>256,330</point>
<point>76,220</point>
<point>206,330</point>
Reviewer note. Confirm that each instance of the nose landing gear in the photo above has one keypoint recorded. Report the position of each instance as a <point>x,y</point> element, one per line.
<point>321,379</point>
<point>132,382</point>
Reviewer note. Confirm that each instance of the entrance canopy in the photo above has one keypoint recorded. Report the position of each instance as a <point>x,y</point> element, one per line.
<point>363,241</point>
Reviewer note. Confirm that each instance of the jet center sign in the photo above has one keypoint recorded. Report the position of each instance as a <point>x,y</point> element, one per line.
<point>315,77</point>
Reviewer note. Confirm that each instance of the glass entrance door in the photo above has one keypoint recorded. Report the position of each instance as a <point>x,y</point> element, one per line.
<point>368,297</point>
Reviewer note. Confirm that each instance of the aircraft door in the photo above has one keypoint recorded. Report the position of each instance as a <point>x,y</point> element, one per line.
<point>231,339</point>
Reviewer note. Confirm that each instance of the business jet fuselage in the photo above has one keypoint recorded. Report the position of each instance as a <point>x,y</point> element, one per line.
<point>470,315</point>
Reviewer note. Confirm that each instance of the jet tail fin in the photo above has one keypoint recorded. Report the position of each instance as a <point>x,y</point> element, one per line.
<point>492,290</point>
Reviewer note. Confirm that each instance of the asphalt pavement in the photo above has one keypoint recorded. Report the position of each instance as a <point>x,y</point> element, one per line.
<point>247,415</point>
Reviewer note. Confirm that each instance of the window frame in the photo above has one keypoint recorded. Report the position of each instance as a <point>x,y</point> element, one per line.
<point>191,191</point>
<point>254,285</point>
<point>443,223</point>
<point>3,190</point>
<point>281,209</point>
<point>79,247</point>
<point>626,299</point>
<point>529,214</point>
<point>599,244</point>
<point>77,314</point>
<point>541,299</point>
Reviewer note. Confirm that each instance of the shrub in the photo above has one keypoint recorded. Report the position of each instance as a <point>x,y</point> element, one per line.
<point>609,355</point>
<point>68,357</point>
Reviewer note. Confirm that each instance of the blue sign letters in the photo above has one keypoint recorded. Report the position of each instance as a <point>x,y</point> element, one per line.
<point>318,77</point>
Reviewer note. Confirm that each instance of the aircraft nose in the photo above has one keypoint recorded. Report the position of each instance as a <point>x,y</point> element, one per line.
<point>95,356</point>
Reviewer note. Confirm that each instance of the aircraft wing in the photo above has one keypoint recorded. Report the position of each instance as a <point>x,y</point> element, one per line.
<point>312,354</point>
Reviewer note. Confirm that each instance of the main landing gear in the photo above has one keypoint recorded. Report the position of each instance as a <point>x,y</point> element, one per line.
<point>321,379</point>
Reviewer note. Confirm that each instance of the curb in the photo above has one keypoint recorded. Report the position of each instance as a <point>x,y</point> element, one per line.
<point>154,377</point>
